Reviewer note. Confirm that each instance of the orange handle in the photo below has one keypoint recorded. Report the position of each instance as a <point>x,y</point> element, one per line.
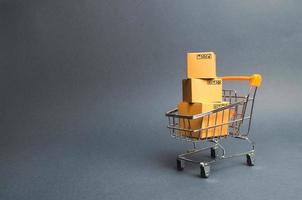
<point>255,80</point>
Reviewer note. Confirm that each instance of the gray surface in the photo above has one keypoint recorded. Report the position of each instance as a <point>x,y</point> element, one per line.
<point>84,86</point>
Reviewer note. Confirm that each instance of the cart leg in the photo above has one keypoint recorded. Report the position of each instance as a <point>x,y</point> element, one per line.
<point>204,170</point>
<point>250,159</point>
<point>180,164</point>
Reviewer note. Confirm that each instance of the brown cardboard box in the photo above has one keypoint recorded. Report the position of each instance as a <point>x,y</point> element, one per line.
<point>201,65</point>
<point>202,90</point>
<point>185,108</point>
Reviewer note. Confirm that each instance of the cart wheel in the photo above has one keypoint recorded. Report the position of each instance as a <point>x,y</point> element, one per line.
<point>180,164</point>
<point>204,170</point>
<point>213,152</point>
<point>250,159</point>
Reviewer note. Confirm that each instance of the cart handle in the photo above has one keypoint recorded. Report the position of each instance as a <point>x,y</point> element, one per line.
<point>255,79</point>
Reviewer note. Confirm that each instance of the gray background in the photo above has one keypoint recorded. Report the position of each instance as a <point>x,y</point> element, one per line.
<point>85,84</point>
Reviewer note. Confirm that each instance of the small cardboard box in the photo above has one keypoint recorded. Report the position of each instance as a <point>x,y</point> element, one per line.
<point>201,65</point>
<point>185,108</point>
<point>202,90</point>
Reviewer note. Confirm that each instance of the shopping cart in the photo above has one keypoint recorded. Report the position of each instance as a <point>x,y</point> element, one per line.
<point>235,117</point>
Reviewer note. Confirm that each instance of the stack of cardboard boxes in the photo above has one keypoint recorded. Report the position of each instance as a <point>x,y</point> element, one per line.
<point>202,92</point>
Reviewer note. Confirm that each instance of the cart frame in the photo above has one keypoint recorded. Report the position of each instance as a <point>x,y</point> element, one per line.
<point>243,108</point>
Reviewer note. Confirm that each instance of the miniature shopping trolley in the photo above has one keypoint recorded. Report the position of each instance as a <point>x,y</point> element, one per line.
<point>230,121</point>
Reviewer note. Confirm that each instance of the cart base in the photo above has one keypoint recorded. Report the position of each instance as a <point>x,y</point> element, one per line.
<point>215,156</point>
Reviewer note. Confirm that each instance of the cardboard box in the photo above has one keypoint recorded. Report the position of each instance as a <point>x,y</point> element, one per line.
<point>185,108</point>
<point>202,90</point>
<point>201,65</point>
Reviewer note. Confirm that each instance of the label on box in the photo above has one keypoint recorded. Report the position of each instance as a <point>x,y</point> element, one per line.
<point>203,56</point>
<point>215,82</point>
<point>220,105</point>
